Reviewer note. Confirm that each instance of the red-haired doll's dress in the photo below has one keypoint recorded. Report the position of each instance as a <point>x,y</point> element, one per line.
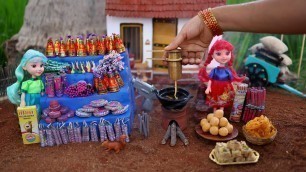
<point>222,92</point>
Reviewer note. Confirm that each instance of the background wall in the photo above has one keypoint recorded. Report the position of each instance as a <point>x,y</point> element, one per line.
<point>113,26</point>
<point>45,19</point>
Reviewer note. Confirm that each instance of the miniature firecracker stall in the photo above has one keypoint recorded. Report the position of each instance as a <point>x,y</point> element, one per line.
<point>113,87</point>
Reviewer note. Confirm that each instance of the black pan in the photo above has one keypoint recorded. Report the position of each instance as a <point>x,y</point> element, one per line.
<point>166,98</point>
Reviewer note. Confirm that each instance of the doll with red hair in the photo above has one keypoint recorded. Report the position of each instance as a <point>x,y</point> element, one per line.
<point>220,91</point>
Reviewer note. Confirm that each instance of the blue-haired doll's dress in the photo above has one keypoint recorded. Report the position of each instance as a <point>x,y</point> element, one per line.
<point>222,92</point>
<point>33,89</point>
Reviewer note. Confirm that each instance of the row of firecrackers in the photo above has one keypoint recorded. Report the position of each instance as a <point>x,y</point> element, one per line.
<point>59,134</point>
<point>91,46</point>
<point>106,78</point>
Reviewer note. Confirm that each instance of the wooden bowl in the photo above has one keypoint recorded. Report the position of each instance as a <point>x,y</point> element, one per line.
<point>257,140</point>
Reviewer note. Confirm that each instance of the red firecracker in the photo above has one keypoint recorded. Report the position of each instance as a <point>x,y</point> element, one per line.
<point>119,79</point>
<point>92,51</point>
<point>102,89</point>
<point>50,48</point>
<point>101,46</point>
<point>118,44</point>
<point>57,46</point>
<point>81,50</point>
<point>72,48</point>
<point>62,48</point>
<point>113,84</point>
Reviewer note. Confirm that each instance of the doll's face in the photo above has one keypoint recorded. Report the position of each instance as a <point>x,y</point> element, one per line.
<point>35,67</point>
<point>222,56</point>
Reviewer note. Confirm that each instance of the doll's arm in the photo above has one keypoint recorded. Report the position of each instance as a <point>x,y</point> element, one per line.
<point>42,88</point>
<point>208,89</point>
<point>24,90</point>
<point>22,100</point>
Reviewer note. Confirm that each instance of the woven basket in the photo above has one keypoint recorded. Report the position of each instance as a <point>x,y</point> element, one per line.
<point>256,140</point>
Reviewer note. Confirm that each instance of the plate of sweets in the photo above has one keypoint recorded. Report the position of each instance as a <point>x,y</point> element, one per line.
<point>233,152</point>
<point>216,127</point>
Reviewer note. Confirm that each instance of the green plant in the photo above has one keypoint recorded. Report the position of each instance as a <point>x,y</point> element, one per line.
<point>11,20</point>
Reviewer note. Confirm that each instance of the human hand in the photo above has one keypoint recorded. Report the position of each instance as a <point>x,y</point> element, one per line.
<point>208,90</point>
<point>193,39</point>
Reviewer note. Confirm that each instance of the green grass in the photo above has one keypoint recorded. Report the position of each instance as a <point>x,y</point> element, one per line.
<point>243,41</point>
<point>11,20</point>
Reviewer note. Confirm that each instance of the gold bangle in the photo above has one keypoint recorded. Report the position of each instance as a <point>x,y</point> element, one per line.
<point>210,21</point>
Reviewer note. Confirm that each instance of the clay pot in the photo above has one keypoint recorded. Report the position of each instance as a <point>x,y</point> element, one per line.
<point>178,115</point>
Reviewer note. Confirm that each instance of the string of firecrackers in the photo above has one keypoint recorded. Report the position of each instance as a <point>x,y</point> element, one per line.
<point>93,45</point>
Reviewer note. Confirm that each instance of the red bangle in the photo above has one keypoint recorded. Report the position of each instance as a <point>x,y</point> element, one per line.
<point>210,21</point>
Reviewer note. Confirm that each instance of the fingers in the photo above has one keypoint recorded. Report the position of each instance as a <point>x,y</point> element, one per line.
<point>192,57</point>
<point>188,58</point>
<point>177,41</point>
<point>199,57</point>
<point>185,60</point>
<point>165,55</point>
<point>184,53</point>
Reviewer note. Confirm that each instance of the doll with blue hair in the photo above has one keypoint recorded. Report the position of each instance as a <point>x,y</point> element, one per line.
<point>28,83</point>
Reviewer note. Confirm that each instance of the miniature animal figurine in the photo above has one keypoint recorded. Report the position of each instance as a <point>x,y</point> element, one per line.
<point>115,145</point>
<point>28,127</point>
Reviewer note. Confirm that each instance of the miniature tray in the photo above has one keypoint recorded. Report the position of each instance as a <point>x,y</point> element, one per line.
<point>213,158</point>
<point>218,138</point>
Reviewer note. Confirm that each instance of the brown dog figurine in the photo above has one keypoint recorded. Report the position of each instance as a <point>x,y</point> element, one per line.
<point>115,145</point>
<point>28,126</point>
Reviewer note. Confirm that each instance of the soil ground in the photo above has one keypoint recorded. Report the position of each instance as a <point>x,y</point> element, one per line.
<point>286,153</point>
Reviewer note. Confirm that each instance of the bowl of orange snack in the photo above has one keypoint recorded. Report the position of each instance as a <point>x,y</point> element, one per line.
<point>259,131</point>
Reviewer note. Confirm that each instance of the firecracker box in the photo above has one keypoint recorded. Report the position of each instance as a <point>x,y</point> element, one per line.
<point>237,108</point>
<point>28,121</point>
